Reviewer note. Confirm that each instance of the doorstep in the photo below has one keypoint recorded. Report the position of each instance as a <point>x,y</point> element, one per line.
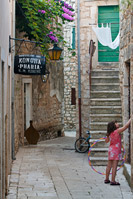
<point>127,173</point>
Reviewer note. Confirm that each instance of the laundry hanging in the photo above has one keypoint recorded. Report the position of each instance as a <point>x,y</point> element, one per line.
<point>105,38</point>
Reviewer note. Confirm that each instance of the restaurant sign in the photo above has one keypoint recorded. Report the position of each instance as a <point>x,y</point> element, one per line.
<point>29,64</point>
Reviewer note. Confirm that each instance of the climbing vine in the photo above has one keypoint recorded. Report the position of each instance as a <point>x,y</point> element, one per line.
<point>42,20</point>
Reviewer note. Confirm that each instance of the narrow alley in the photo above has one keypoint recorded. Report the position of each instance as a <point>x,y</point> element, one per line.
<point>53,170</point>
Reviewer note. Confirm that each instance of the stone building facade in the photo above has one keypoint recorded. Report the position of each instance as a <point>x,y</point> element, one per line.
<point>70,72</point>
<point>126,82</point>
<point>7,24</point>
<point>40,102</point>
<point>88,19</point>
<point>51,106</point>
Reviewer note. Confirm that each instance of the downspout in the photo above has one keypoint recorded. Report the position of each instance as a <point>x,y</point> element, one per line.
<point>12,94</point>
<point>79,74</point>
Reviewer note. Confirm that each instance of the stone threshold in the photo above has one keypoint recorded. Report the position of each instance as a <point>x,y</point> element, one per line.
<point>108,99</point>
<point>127,173</point>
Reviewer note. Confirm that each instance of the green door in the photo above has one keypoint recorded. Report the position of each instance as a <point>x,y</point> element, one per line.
<point>108,14</point>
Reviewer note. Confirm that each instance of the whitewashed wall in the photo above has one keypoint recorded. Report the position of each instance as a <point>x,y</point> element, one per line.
<point>6,29</point>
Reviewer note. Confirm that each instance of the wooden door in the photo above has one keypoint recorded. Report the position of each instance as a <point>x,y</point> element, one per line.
<point>108,14</point>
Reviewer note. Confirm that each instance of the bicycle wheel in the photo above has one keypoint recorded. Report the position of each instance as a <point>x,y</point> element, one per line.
<point>81,145</point>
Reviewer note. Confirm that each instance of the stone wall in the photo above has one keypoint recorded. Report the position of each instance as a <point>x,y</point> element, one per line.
<point>126,78</point>
<point>47,101</point>
<point>70,71</point>
<point>69,82</point>
<point>18,112</point>
<point>125,67</point>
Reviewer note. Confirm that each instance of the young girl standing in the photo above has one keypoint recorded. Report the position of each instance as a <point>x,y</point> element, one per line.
<point>114,152</point>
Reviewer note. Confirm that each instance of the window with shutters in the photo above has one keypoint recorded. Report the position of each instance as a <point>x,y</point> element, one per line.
<point>73,37</point>
<point>108,14</point>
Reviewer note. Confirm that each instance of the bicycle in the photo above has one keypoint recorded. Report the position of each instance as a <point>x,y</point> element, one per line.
<point>82,144</point>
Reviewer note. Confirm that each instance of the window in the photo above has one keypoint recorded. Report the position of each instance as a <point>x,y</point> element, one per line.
<point>73,96</point>
<point>73,37</point>
<point>108,14</point>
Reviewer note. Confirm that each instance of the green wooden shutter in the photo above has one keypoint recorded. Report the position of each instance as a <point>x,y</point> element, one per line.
<point>108,14</point>
<point>73,38</point>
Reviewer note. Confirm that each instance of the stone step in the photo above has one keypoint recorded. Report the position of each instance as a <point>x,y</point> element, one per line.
<point>103,87</point>
<point>104,73</point>
<point>102,141</point>
<point>99,161</point>
<point>105,102</point>
<point>95,135</point>
<point>105,117</point>
<point>95,151</point>
<point>101,144</point>
<point>98,134</point>
<point>105,79</point>
<point>105,94</point>
<point>97,126</point>
<point>105,109</point>
<point>99,152</point>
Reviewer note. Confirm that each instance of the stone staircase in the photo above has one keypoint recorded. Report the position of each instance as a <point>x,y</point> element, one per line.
<point>105,106</point>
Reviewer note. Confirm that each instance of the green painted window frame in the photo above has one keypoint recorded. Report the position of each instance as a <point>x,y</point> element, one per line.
<point>110,15</point>
<point>73,37</point>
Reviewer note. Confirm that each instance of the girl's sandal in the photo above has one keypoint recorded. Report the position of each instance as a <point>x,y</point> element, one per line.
<point>114,183</point>
<point>106,181</point>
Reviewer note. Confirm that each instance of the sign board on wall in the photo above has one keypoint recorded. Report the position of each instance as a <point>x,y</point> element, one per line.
<point>29,64</point>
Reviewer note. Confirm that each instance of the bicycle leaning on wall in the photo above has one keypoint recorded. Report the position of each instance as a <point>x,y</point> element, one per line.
<point>82,144</point>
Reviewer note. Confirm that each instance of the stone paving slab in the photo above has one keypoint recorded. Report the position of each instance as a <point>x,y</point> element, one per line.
<point>53,170</point>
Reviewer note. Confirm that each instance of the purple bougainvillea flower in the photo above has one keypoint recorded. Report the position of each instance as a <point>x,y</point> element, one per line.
<point>66,16</point>
<point>71,13</point>
<point>67,11</point>
<point>67,5</point>
<point>42,11</point>
<point>70,7</point>
<point>52,37</point>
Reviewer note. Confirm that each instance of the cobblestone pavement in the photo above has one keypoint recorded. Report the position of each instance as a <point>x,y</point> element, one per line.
<point>53,170</point>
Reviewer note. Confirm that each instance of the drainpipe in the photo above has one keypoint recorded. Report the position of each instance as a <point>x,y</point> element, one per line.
<point>12,97</point>
<point>79,74</point>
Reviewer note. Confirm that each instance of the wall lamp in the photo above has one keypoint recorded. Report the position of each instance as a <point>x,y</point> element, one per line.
<point>54,52</point>
<point>45,77</point>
